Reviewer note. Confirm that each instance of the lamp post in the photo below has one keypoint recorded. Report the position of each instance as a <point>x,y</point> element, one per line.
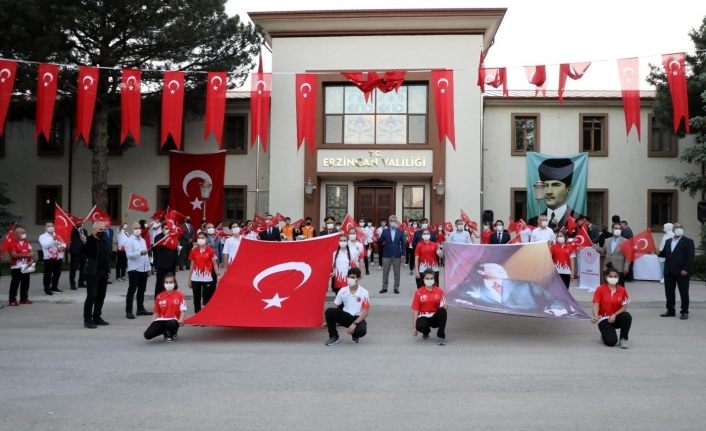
<point>309,188</point>
<point>440,189</point>
<point>206,187</point>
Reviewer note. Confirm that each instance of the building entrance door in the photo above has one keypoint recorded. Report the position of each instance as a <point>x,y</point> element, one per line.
<point>374,202</point>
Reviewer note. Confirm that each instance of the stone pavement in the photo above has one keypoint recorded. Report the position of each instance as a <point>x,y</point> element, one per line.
<point>497,372</point>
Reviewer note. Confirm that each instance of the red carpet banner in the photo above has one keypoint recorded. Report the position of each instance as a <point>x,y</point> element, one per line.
<point>186,173</point>
<point>273,284</point>
<point>515,279</point>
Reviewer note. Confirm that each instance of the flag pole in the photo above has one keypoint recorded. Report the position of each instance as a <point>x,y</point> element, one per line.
<point>257,177</point>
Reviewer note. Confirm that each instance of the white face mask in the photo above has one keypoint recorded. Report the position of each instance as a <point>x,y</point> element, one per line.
<point>678,232</point>
<point>428,282</point>
<point>352,281</point>
<point>50,229</point>
<point>342,243</point>
<point>561,240</point>
<point>137,232</point>
<point>201,242</point>
<point>425,225</point>
<point>211,231</point>
<point>236,230</point>
<point>169,286</point>
<point>124,227</point>
<point>426,237</point>
<point>352,237</point>
<point>617,232</point>
<point>23,236</point>
<point>369,224</point>
<point>329,225</point>
<point>499,228</point>
<point>612,280</point>
<point>459,227</point>
<point>165,232</point>
<point>361,224</point>
<point>544,223</point>
<point>393,225</point>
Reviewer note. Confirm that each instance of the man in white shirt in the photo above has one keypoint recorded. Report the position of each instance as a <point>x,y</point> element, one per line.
<point>460,235</point>
<point>138,267</point>
<point>53,251</point>
<point>543,233</point>
<point>356,305</point>
<point>232,244</point>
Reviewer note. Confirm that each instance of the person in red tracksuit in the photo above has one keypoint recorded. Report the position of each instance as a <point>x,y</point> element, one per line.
<point>169,308</point>
<point>429,309</point>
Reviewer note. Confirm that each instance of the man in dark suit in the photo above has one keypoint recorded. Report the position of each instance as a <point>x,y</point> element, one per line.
<point>272,232</point>
<point>500,236</point>
<point>186,242</point>
<point>164,260</point>
<point>78,258</point>
<point>678,253</point>
<point>557,176</point>
<point>329,226</point>
<point>391,245</point>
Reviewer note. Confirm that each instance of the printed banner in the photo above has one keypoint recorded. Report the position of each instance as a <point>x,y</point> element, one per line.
<point>515,279</point>
<point>565,182</point>
<point>589,268</point>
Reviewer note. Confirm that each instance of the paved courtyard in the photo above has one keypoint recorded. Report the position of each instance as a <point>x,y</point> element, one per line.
<point>496,373</point>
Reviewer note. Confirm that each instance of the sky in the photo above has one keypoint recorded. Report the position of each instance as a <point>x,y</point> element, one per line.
<point>552,32</point>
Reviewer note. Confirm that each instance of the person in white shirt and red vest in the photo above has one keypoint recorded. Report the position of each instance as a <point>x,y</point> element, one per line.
<point>53,255</point>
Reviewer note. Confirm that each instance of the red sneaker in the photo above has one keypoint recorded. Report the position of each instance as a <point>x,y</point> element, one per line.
<point>14,303</point>
<point>25,302</point>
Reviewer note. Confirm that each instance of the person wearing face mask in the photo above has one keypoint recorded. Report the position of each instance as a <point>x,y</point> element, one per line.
<point>204,265</point>
<point>610,302</point>
<point>329,226</point>
<point>138,269</point>
<point>164,259</point>
<point>678,254</point>
<point>417,238</point>
<point>412,229</point>
<point>232,244</point>
<point>429,308</point>
<point>614,257</point>
<point>77,258</point>
<point>121,260</point>
<point>668,230</point>
<point>486,233</point>
<point>96,274</point>
<point>271,232</point>
<point>186,242</point>
<point>426,258</point>
<point>342,262</point>
<point>250,231</point>
<point>368,230</point>
<point>287,230</point>
<point>21,256</point>
<point>145,229</point>
<point>543,232</point>
<point>53,254</point>
<point>155,229</point>
<point>308,230</point>
<point>376,237</point>
<point>460,235</point>
<point>563,258</point>
<point>500,235</point>
<point>357,249</point>
<point>169,309</point>
<point>392,247</point>
<point>352,305</point>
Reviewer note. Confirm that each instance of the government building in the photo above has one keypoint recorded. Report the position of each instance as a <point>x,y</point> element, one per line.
<point>380,157</point>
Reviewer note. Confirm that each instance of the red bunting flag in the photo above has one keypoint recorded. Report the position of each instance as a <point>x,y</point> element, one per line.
<point>537,76</point>
<point>629,84</point>
<point>443,85</point>
<point>86,91</point>
<point>216,85</point>
<point>138,203</point>
<point>172,107</point>
<point>639,245</point>
<point>306,110</point>
<point>8,70</point>
<point>63,224</point>
<point>675,69</point>
<point>570,70</point>
<point>391,80</point>
<point>8,240</point>
<point>261,88</point>
<point>480,81</point>
<point>130,104</point>
<point>495,77</point>
<point>96,214</point>
<point>48,76</point>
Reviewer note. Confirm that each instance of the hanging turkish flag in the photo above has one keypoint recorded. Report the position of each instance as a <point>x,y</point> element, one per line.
<point>8,70</point>
<point>9,240</point>
<point>260,106</point>
<point>675,69</point>
<point>130,104</point>
<point>639,245</point>
<point>306,110</point>
<point>46,96</point>
<point>273,285</point>
<point>96,214</point>
<point>172,107</point>
<point>216,85</point>
<point>629,84</point>
<point>495,77</point>
<point>63,224</point>
<point>443,83</point>
<point>537,76</point>
<point>186,174</point>
<point>86,91</point>
<point>138,203</point>
<point>480,81</point>
<point>571,70</point>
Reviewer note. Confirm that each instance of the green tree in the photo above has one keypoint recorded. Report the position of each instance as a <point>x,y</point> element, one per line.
<point>6,217</point>
<point>152,35</point>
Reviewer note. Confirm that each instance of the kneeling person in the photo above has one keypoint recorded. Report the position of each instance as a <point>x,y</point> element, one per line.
<point>169,308</point>
<point>610,303</point>
<point>356,304</point>
<point>429,309</point>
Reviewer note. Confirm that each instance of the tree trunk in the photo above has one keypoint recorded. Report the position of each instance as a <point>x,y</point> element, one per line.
<point>99,163</point>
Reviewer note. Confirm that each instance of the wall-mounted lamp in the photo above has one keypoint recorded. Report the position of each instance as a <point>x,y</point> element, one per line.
<point>539,190</point>
<point>309,188</point>
<point>440,189</point>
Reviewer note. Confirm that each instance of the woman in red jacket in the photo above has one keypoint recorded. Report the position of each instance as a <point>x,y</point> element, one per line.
<point>169,308</point>
<point>610,303</point>
<point>562,256</point>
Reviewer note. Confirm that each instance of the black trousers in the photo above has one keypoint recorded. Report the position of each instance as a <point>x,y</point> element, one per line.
<point>670,283</point>
<point>159,280</point>
<point>366,261</point>
<point>410,258</point>
<point>121,264</point>
<point>137,282</point>
<point>77,262</point>
<point>52,272</point>
<point>336,315</point>
<point>623,321</point>
<point>380,257</point>
<point>438,320</point>
<point>566,278</point>
<point>96,286</point>
<point>203,291</point>
<point>420,280</point>
<point>162,327</point>
<point>184,262</point>
<point>21,281</point>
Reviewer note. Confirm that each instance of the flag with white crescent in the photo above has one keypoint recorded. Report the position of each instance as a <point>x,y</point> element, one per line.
<point>675,69</point>
<point>86,91</point>
<point>186,174</point>
<point>130,104</point>
<point>8,69</point>
<point>47,79</point>
<point>443,87</point>
<point>216,85</point>
<point>261,88</point>
<point>96,214</point>
<point>138,203</point>
<point>570,70</point>
<point>495,77</point>
<point>630,87</point>
<point>63,224</point>
<point>306,90</point>
<point>172,107</point>
<point>639,245</point>
<point>273,284</point>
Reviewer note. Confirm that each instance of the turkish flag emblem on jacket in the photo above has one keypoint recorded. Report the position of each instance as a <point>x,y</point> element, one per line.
<point>186,174</point>
<point>273,285</point>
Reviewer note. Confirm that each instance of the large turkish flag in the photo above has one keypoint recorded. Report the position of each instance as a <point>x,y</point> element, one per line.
<point>273,284</point>
<point>186,173</point>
